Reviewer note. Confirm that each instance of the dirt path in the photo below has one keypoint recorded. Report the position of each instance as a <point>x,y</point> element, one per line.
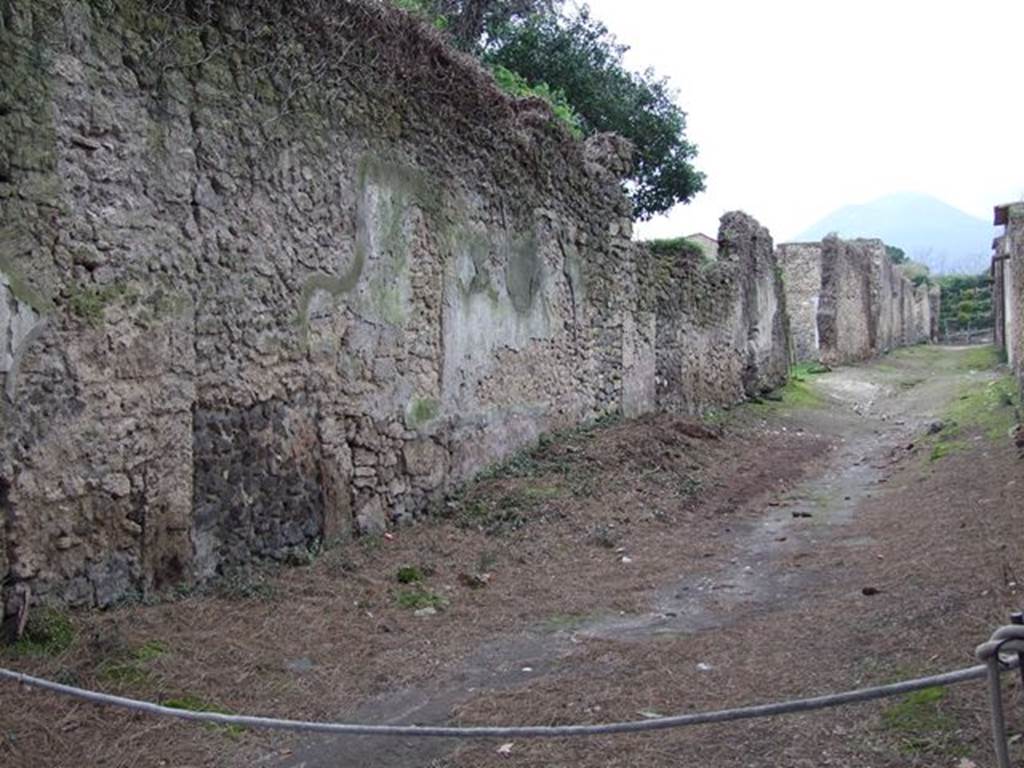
<point>877,410</point>
<point>815,545</point>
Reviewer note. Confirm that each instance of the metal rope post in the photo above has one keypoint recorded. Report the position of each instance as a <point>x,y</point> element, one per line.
<point>1009,640</point>
<point>1017,617</point>
<point>998,719</point>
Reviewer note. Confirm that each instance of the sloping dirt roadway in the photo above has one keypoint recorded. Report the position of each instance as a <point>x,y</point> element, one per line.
<point>659,570</point>
<point>879,565</point>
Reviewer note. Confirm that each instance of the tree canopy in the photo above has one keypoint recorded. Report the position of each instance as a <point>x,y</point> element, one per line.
<point>966,302</point>
<point>896,255</point>
<point>574,62</point>
<point>578,56</point>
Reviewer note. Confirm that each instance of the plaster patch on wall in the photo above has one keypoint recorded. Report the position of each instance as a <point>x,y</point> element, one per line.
<point>20,324</point>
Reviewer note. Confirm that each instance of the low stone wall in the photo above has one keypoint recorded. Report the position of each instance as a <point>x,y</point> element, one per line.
<point>848,302</point>
<point>270,280</point>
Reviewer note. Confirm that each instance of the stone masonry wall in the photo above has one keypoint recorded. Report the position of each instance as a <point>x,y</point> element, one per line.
<point>801,266</point>
<point>848,302</point>
<point>720,329</point>
<point>271,278</point>
<point>1009,286</point>
<point>998,295</point>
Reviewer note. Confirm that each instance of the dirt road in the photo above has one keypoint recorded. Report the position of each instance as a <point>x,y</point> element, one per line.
<point>864,529</point>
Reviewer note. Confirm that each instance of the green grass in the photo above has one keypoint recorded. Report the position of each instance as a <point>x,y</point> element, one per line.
<point>920,725</point>
<point>990,408</point>
<point>942,449</point>
<point>409,574</point>
<point>194,703</point>
<point>984,358</point>
<point>132,669</point>
<point>49,632</point>
<point>806,369</point>
<point>506,496</point>
<point>797,392</point>
<point>245,585</point>
<point>416,599</point>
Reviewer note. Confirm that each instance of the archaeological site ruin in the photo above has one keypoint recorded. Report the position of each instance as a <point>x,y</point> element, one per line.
<point>278,284</point>
<point>1008,286</point>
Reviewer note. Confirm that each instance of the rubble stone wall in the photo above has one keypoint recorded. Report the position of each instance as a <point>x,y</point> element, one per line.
<point>719,323</point>
<point>271,278</point>
<point>1009,287</point>
<point>801,266</point>
<point>848,302</point>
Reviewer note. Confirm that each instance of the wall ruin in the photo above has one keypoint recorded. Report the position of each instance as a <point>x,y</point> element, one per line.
<point>270,281</point>
<point>1008,286</point>
<point>848,302</point>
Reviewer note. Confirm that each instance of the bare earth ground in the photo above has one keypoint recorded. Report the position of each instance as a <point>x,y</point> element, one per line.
<point>785,549</point>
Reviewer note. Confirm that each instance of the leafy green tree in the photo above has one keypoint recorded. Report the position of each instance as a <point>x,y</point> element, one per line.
<point>896,255</point>
<point>577,56</point>
<point>515,84</point>
<point>474,24</point>
<point>966,301</point>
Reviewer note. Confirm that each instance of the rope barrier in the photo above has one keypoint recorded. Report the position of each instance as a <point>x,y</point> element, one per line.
<point>525,731</point>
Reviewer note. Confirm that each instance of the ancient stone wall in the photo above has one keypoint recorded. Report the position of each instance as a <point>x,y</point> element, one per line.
<point>847,301</point>
<point>845,323</point>
<point>719,324</point>
<point>272,277</point>
<point>1009,285</point>
<point>801,267</point>
<point>934,307</point>
<point>998,295</point>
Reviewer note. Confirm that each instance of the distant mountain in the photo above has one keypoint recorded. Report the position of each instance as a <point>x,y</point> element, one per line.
<point>927,229</point>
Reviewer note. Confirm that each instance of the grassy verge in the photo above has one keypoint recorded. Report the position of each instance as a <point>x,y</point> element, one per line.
<point>921,725</point>
<point>990,410</point>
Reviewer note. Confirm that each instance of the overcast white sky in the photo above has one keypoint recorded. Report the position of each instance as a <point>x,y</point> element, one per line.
<point>802,106</point>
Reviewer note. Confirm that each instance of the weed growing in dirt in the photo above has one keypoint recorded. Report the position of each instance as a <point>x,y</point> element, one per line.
<point>505,497</point>
<point>245,586</point>
<point>797,392</point>
<point>920,725</point>
<point>409,574</point>
<point>196,704</point>
<point>132,669</point>
<point>49,632</point>
<point>990,409</point>
<point>942,449</point>
<point>984,358</point>
<point>804,370</point>
<point>415,599</point>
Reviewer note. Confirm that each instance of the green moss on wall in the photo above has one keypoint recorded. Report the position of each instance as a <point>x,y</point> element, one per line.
<point>20,288</point>
<point>420,411</point>
<point>89,303</point>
